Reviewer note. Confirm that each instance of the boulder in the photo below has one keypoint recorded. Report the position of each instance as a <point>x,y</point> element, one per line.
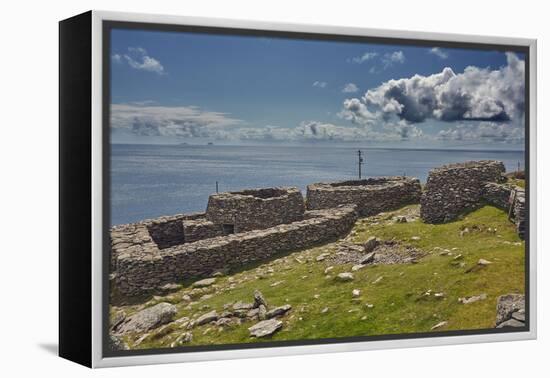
<point>205,282</point>
<point>371,244</point>
<point>356,293</point>
<point>149,318</point>
<point>509,304</point>
<point>511,323</point>
<point>265,328</point>
<point>278,311</point>
<point>207,318</point>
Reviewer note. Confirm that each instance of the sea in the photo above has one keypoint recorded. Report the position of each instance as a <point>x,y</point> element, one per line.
<point>148,181</point>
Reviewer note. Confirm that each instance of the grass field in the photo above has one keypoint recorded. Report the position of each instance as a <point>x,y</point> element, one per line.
<point>402,301</point>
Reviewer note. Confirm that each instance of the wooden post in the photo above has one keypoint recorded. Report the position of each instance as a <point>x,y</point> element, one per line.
<point>216,187</point>
<point>359,162</point>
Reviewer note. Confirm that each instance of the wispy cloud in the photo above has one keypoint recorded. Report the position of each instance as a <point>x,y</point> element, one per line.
<point>171,121</point>
<point>320,84</point>
<point>388,59</point>
<point>379,62</point>
<point>138,58</point>
<point>438,52</point>
<point>363,58</point>
<point>350,88</point>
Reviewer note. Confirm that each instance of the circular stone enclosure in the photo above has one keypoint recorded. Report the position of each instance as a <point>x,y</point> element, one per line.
<point>372,195</point>
<point>255,209</point>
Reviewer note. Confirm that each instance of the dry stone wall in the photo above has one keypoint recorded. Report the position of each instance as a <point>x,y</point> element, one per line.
<point>143,267</point>
<point>453,189</point>
<point>371,196</point>
<point>503,196</point>
<point>256,209</point>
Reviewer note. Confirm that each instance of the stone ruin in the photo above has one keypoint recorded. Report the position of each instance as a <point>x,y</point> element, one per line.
<point>454,189</point>
<point>371,196</point>
<point>237,228</point>
<point>243,227</point>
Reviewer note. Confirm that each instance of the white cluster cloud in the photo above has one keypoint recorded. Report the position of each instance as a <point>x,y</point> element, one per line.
<point>350,88</point>
<point>438,52</point>
<point>320,84</point>
<point>477,94</point>
<point>137,58</point>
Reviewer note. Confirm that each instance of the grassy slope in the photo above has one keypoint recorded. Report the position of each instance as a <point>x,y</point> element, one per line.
<point>399,306</point>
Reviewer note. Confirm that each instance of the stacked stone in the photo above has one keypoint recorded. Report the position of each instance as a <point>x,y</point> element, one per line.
<point>456,188</point>
<point>371,196</point>
<point>504,195</point>
<point>256,209</point>
<point>520,212</point>
<point>146,269</point>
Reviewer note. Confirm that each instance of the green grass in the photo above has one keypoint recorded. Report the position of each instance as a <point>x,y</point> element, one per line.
<point>399,303</point>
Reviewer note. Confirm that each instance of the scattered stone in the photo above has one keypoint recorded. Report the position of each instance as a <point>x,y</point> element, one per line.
<point>356,293</point>
<point>276,283</point>
<point>371,244</point>
<point>117,320</point>
<point>458,257</point>
<point>207,318</point>
<point>415,238</point>
<point>519,315</point>
<point>278,311</point>
<point>472,299</point>
<point>265,328</point>
<point>327,270</point>
<point>148,318</point>
<point>205,282</point>
<point>322,256</point>
<point>116,343</point>
<point>401,219</point>
<point>368,258</point>
<point>439,295</point>
<point>259,299</point>
<point>483,262</point>
<point>262,312</point>
<point>170,287</point>
<point>205,297</point>
<point>186,298</point>
<point>345,277</point>
<point>252,313</point>
<point>357,267</point>
<point>439,325</point>
<point>184,338</point>
<point>316,296</point>
<point>369,305</point>
<point>324,310</point>
<point>511,323</point>
<point>240,305</point>
<point>224,322</point>
<point>378,280</point>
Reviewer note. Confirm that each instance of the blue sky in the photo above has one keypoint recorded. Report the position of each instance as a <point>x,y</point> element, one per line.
<point>172,87</point>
